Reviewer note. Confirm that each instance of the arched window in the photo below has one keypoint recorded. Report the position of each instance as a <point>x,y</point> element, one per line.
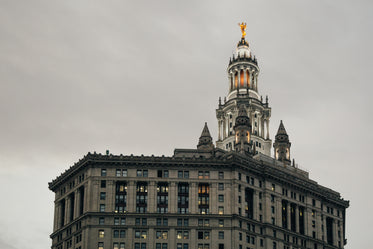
<point>241,78</point>
<point>236,79</point>
<point>248,79</point>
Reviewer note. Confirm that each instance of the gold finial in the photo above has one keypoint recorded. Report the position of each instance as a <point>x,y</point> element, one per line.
<point>243,29</point>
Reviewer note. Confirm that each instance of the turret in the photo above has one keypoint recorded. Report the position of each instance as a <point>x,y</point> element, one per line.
<point>243,74</point>
<point>282,145</point>
<point>242,129</point>
<point>205,140</point>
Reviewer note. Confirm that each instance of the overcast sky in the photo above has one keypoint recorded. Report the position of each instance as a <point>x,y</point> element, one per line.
<point>142,78</point>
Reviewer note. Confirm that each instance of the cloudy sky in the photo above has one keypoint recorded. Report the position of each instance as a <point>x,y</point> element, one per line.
<point>142,78</point>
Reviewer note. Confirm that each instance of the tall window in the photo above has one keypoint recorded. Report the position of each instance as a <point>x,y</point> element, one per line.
<point>162,197</point>
<point>249,203</point>
<point>284,214</point>
<point>203,198</point>
<point>121,197</point>
<point>183,198</point>
<point>141,197</point>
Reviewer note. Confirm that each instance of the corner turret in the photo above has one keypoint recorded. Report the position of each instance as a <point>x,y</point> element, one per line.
<point>205,140</point>
<point>282,145</point>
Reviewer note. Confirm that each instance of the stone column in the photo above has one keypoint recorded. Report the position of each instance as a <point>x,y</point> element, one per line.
<point>131,196</point>
<point>278,212</point>
<point>214,199</point>
<point>268,128</point>
<point>219,130</point>
<point>76,206</point>
<point>297,218</point>
<point>335,233</point>
<point>193,198</point>
<point>172,198</point>
<point>152,197</point>
<point>56,216</point>
<point>256,205</point>
<point>67,209</point>
<point>110,196</point>
<point>86,205</point>
<point>288,207</point>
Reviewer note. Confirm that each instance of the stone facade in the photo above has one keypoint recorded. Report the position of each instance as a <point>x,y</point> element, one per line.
<point>232,196</point>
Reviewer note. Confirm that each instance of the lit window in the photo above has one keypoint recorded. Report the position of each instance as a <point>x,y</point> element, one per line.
<point>100,245</point>
<point>220,210</point>
<point>101,233</point>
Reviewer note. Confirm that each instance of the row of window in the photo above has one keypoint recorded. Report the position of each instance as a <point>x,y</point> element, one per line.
<point>121,245</point>
<point>162,173</point>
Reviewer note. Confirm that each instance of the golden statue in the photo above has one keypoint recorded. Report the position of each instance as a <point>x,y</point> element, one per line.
<point>243,29</point>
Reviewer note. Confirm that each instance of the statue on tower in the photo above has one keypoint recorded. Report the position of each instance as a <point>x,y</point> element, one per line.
<point>243,29</point>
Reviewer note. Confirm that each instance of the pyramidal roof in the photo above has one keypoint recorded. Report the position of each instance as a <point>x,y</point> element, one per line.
<point>281,129</point>
<point>205,131</point>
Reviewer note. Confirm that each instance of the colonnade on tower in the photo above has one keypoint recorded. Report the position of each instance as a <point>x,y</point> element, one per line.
<point>243,72</point>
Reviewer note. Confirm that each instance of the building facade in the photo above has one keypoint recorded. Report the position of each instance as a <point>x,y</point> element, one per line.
<point>230,196</point>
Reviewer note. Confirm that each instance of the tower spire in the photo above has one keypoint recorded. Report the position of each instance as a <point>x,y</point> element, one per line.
<point>282,144</point>
<point>205,140</point>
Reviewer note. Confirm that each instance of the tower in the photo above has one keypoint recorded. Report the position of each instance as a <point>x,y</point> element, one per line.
<point>282,144</point>
<point>205,140</point>
<point>242,129</point>
<point>243,74</point>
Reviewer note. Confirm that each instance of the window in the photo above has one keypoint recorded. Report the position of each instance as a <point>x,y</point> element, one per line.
<point>220,210</point>
<point>273,221</point>
<point>100,245</point>
<point>102,207</point>
<point>221,186</point>
<point>183,198</point>
<point>239,176</point>
<point>101,221</point>
<point>203,198</point>
<point>101,233</point>
<point>252,181</point>
<point>260,184</point>
<point>273,187</point>
<point>103,172</point>
<point>162,173</point>
<point>221,246</point>
<point>116,234</point>
<point>141,197</point>
<point>221,223</point>
<point>203,235</point>
<point>240,236</point>
<point>221,198</point>
<point>182,234</point>
<point>142,173</point>
<point>161,234</point>
<point>221,235</point>
<point>221,175</point>
<point>274,245</point>
<point>140,234</point>
<point>273,209</point>
<point>162,197</point>
<point>118,172</point>
<point>272,198</point>
<point>102,195</point>
<point>239,187</point>
<point>161,246</point>
<point>144,221</point>
<point>103,184</point>
<point>121,197</point>
<point>203,174</point>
